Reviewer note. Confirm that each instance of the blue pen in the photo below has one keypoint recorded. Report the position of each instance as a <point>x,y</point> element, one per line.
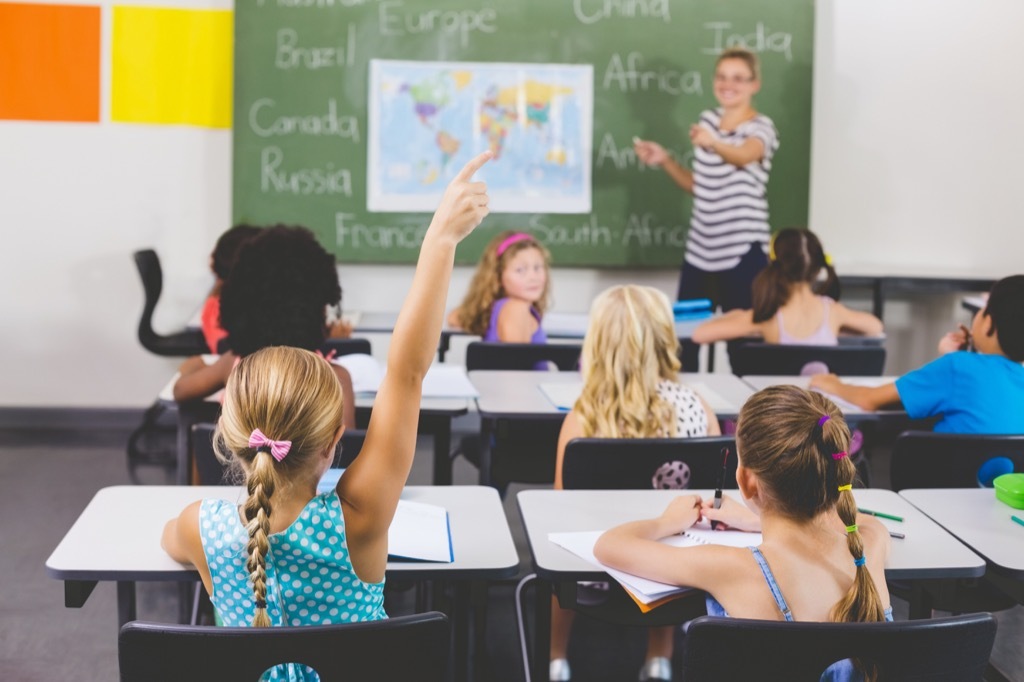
<point>1017,519</point>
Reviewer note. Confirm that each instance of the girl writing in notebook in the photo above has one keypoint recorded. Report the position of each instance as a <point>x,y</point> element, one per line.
<point>819,559</point>
<point>276,295</point>
<point>789,305</point>
<point>285,555</point>
<point>509,291</point>
<point>631,389</point>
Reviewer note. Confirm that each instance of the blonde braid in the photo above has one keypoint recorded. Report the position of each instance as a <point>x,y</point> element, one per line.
<point>261,484</point>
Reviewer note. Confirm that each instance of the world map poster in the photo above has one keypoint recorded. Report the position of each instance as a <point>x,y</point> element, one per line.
<point>427,119</point>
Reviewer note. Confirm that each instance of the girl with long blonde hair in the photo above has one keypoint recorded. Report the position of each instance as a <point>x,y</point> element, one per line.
<point>631,389</point>
<point>287,555</point>
<point>819,560</point>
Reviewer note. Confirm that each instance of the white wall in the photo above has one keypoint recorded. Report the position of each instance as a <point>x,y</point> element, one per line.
<point>915,161</point>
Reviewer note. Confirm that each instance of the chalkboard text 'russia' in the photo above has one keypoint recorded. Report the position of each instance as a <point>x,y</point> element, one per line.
<point>301,181</point>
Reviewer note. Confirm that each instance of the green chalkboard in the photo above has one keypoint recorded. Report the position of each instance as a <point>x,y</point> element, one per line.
<point>302,70</point>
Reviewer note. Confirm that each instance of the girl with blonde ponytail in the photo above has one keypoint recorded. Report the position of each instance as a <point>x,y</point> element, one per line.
<point>819,559</point>
<point>631,389</point>
<point>289,556</point>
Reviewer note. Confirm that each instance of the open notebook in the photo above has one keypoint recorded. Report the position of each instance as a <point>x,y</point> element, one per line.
<point>650,593</point>
<point>441,381</point>
<point>419,531</point>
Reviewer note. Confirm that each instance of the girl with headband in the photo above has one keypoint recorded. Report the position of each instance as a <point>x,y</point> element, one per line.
<point>285,555</point>
<point>819,560</point>
<point>509,291</point>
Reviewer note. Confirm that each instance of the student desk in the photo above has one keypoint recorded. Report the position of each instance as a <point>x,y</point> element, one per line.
<point>516,394</point>
<point>117,538</point>
<point>436,416</point>
<point>973,304</point>
<point>983,523</point>
<point>850,411</point>
<point>927,553</point>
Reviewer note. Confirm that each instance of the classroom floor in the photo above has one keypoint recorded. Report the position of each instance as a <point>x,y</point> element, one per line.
<point>46,479</point>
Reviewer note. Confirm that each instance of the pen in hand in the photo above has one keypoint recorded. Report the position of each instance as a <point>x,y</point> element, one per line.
<point>721,484</point>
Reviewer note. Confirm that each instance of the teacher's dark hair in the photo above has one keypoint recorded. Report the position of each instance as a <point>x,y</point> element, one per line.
<point>1005,308</point>
<point>798,257</point>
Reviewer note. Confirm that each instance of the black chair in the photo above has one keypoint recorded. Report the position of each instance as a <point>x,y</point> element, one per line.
<point>750,359</point>
<point>180,344</point>
<point>522,450</point>
<point>644,463</point>
<point>508,356</point>
<point>346,347</point>
<point>922,459</point>
<point>938,650</point>
<point>213,472</point>
<point>396,649</point>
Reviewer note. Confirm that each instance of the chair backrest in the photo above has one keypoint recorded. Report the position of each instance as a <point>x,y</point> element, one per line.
<point>181,344</point>
<point>941,649</point>
<point>212,472</point>
<point>404,648</point>
<point>922,459</point>
<point>749,359</point>
<point>346,347</point>
<point>508,356</point>
<point>646,463</point>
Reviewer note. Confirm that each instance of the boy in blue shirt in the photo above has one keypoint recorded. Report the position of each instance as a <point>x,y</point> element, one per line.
<point>973,392</point>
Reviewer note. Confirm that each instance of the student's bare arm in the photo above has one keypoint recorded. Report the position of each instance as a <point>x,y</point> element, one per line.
<point>734,324</point>
<point>182,542</point>
<point>865,397</point>
<point>516,324</point>
<point>204,380</point>
<point>571,428</point>
<point>858,321</point>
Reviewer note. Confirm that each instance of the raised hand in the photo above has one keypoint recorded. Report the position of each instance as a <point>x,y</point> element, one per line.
<point>464,203</point>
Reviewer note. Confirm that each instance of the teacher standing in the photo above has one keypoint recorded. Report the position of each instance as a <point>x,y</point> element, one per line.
<point>733,147</point>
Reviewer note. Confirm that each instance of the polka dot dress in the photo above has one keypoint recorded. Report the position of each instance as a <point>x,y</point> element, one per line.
<point>691,419</point>
<point>310,580</point>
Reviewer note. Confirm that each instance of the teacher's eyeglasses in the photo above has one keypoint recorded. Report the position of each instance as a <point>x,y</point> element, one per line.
<point>735,80</point>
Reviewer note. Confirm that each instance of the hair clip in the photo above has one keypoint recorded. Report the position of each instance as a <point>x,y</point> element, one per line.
<point>859,562</point>
<point>848,486</point>
<point>851,529</point>
<point>824,418</point>
<point>510,240</point>
<point>838,455</point>
<point>277,448</point>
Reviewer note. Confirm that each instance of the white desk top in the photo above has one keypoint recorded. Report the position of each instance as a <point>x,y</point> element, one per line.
<point>927,552</point>
<point>974,303</point>
<point>890,270</point>
<point>574,325</point>
<point>849,410</point>
<point>117,536</point>
<point>517,393</point>
<point>450,406</point>
<point>979,520</point>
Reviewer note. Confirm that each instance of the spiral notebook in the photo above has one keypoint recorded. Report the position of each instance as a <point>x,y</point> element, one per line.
<point>646,592</point>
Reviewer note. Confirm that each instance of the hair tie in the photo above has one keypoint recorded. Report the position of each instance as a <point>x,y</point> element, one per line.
<point>277,448</point>
<point>848,486</point>
<point>260,604</point>
<point>859,562</point>
<point>510,240</point>
<point>828,260</point>
<point>851,529</point>
<point>838,455</point>
<point>824,418</point>
<point>771,248</point>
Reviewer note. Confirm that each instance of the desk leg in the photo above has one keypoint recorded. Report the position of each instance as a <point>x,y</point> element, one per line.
<point>443,345</point>
<point>181,475</point>
<point>441,428</point>
<point>76,592</point>
<point>461,629</point>
<point>920,603</point>
<point>125,601</point>
<point>542,631</point>
<point>487,429</point>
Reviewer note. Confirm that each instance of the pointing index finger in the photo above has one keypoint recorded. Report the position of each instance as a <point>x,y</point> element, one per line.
<point>474,165</point>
